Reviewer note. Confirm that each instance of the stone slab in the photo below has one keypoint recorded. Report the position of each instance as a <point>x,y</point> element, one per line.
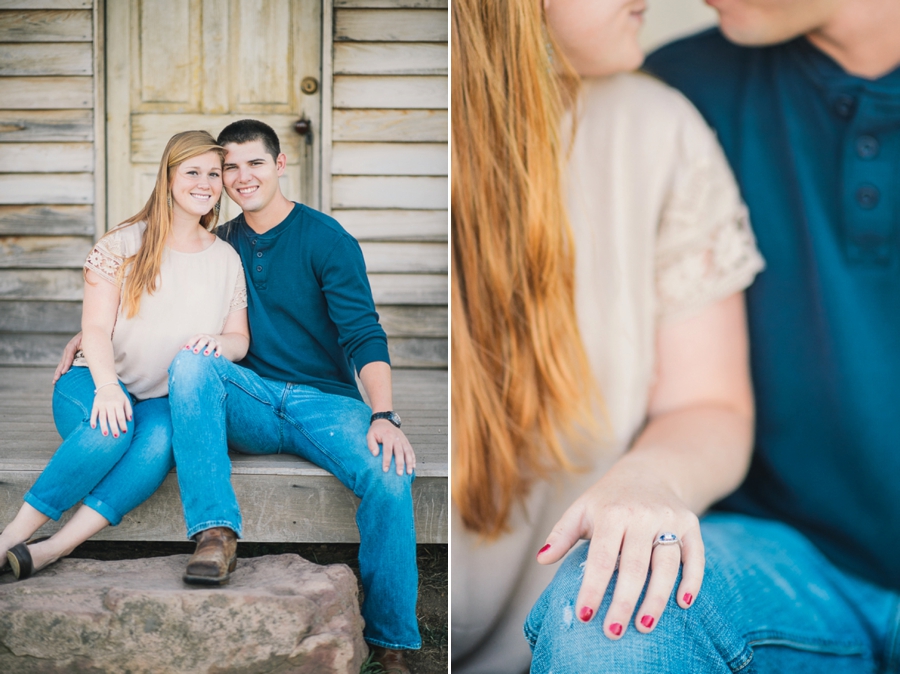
<point>279,613</point>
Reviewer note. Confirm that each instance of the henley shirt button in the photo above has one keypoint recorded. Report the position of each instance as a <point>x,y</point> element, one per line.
<point>259,268</point>
<point>866,147</point>
<point>843,105</point>
<point>259,255</point>
<point>253,242</point>
<point>867,196</point>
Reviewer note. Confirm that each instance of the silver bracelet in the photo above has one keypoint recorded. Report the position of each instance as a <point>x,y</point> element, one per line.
<point>109,383</point>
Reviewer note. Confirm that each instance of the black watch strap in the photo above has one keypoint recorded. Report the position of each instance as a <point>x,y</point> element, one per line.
<point>391,416</point>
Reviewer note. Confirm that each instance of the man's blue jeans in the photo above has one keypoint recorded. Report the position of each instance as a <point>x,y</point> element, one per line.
<point>213,399</point>
<point>770,603</point>
<point>112,475</point>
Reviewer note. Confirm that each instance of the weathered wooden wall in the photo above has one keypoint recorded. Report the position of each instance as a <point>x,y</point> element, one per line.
<point>387,170</point>
<point>384,162</point>
<point>48,172</point>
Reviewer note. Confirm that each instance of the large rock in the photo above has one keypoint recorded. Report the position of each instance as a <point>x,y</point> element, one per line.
<point>277,614</point>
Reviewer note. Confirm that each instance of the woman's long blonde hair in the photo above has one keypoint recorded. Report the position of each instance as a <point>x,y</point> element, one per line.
<point>520,375</point>
<point>143,268</point>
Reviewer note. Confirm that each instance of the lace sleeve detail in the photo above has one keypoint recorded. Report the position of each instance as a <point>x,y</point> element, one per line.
<point>105,260</point>
<point>239,299</point>
<point>706,249</point>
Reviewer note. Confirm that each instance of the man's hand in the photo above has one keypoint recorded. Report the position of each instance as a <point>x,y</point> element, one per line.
<point>68,356</point>
<point>394,443</point>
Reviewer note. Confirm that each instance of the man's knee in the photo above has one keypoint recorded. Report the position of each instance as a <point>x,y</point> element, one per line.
<point>697,636</point>
<point>189,370</point>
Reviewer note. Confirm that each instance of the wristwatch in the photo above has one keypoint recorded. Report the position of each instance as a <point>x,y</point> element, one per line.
<point>391,416</point>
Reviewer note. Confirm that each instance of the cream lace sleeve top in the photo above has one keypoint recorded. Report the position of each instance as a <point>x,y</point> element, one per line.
<point>195,294</point>
<point>660,232</point>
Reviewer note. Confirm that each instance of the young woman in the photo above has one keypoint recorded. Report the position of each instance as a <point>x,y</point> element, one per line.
<point>159,282</point>
<point>600,375</point>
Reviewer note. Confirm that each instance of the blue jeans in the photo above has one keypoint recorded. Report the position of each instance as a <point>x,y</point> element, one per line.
<point>213,398</point>
<point>770,603</point>
<point>112,475</point>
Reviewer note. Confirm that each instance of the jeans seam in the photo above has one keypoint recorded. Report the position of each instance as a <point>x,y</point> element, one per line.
<point>388,644</point>
<point>209,524</point>
<point>227,380</point>
<point>84,411</point>
<point>319,446</point>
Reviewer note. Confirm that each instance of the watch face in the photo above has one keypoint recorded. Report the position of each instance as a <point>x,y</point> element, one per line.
<point>393,417</point>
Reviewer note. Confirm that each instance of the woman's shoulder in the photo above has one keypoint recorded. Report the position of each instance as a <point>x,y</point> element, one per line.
<point>124,240</point>
<point>641,104</point>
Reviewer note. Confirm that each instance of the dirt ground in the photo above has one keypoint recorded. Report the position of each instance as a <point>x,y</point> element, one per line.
<point>433,582</point>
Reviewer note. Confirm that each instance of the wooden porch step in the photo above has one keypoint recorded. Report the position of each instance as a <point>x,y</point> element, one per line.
<point>282,498</point>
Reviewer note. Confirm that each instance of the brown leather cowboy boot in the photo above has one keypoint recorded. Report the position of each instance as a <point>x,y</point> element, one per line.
<point>391,661</point>
<point>214,558</point>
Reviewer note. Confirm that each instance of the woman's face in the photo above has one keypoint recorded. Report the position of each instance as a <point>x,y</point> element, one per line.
<point>197,185</point>
<point>599,37</point>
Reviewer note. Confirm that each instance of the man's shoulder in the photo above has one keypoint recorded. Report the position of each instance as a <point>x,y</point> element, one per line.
<point>227,230</point>
<point>703,66</point>
<point>324,223</point>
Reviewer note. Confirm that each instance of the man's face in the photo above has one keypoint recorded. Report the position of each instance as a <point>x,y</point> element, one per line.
<point>763,22</point>
<point>251,175</point>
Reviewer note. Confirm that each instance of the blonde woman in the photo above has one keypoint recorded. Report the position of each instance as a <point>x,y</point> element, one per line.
<point>599,349</point>
<point>159,282</point>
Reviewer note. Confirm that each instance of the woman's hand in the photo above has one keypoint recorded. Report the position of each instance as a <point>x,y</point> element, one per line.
<point>207,343</point>
<point>622,515</point>
<point>112,410</point>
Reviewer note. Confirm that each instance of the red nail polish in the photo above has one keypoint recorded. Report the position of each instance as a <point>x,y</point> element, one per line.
<point>105,433</point>
<point>586,614</point>
<point>615,628</point>
<point>217,355</point>
<point>647,621</point>
<point>115,435</point>
<point>688,598</point>
<point>543,550</point>
<point>187,346</point>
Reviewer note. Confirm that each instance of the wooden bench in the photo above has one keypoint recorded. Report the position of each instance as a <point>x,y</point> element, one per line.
<point>282,498</point>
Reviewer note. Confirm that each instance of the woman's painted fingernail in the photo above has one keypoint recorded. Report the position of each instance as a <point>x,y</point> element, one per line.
<point>615,628</point>
<point>647,621</point>
<point>187,346</point>
<point>105,433</point>
<point>688,598</point>
<point>115,435</point>
<point>586,613</point>
<point>543,550</point>
<point>196,350</point>
<point>218,354</point>
<point>206,353</point>
<point>124,430</point>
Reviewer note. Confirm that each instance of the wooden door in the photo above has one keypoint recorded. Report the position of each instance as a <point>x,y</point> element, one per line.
<point>175,65</point>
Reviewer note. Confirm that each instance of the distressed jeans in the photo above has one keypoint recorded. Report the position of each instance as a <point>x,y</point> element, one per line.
<point>213,399</point>
<point>770,603</point>
<point>112,475</point>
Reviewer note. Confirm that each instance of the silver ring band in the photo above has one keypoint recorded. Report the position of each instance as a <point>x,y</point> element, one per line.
<point>666,538</point>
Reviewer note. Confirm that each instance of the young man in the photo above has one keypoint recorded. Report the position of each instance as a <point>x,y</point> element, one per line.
<point>312,322</point>
<point>802,568</point>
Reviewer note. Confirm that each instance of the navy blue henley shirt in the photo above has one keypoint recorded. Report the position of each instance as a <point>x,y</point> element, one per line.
<point>817,154</point>
<point>312,316</point>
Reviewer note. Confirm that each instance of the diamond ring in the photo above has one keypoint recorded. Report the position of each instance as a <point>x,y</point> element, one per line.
<point>667,538</point>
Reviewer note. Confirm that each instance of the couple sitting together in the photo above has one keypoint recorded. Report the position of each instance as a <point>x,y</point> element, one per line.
<point>603,350</point>
<point>168,311</point>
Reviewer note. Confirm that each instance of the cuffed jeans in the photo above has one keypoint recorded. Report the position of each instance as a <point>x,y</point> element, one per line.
<point>770,603</point>
<point>213,399</point>
<point>112,475</point>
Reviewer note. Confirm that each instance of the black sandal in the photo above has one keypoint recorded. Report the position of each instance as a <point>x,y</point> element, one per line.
<point>19,558</point>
